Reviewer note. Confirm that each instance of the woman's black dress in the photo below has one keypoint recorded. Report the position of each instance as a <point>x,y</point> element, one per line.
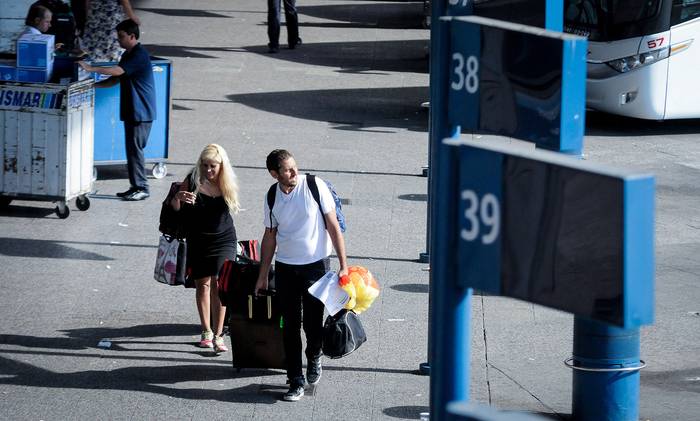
<point>211,236</point>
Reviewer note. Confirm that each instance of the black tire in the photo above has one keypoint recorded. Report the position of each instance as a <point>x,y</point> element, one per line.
<point>82,203</point>
<point>64,214</point>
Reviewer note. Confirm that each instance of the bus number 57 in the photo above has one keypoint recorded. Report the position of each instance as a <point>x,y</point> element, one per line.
<point>655,43</point>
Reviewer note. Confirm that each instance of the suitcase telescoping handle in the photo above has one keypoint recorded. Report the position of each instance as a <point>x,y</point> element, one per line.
<point>269,306</point>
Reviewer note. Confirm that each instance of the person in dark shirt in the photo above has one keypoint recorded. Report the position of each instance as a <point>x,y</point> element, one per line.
<point>273,24</point>
<point>207,198</point>
<point>137,108</point>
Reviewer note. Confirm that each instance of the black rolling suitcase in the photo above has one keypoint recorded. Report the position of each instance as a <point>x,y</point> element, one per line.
<point>256,335</point>
<point>254,323</point>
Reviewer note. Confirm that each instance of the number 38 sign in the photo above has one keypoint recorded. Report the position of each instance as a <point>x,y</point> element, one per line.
<point>507,79</point>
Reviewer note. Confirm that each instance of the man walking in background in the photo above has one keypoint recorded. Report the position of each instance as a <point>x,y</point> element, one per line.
<point>303,231</point>
<point>273,24</point>
<point>137,107</point>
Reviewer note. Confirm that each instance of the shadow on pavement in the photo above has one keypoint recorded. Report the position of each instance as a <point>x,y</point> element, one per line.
<point>330,171</point>
<point>21,211</point>
<point>364,110</point>
<point>405,412</point>
<point>414,197</point>
<point>358,57</point>
<point>421,288</point>
<point>88,338</point>
<point>383,259</point>
<point>43,249</point>
<point>189,13</point>
<point>376,57</point>
<point>136,378</point>
<point>137,331</point>
<point>143,378</point>
<point>190,52</point>
<point>404,15</point>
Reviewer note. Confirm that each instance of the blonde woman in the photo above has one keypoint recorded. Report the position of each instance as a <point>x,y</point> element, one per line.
<point>208,198</point>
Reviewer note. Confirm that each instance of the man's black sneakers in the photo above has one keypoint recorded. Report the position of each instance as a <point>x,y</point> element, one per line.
<point>313,371</point>
<point>296,391</point>
<point>127,193</point>
<point>137,195</point>
<point>293,45</point>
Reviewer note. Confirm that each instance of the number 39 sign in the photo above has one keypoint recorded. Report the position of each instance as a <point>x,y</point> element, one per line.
<point>480,218</point>
<point>547,229</point>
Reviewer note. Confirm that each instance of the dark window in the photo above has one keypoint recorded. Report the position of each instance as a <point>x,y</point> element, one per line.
<point>684,10</point>
<point>609,20</point>
<point>526,12</point>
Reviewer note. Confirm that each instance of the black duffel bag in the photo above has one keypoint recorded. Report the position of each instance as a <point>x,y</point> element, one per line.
<point>342,334</point>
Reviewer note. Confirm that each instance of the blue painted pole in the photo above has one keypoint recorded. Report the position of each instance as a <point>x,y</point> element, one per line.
<point>606,372</point>
<point>439,129</point>
<point>450,306</point>
<point>554,15</point>
<point>605,358</point>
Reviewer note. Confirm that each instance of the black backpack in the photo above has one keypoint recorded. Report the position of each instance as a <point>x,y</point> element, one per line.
<point>171,223</point>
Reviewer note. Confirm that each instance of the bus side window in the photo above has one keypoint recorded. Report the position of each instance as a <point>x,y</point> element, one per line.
<point>684,10</point>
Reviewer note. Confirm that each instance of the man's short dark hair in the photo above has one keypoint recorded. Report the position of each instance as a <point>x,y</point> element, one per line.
<point>130,27</point>
<point>37,11</point>
<point>275,158</point>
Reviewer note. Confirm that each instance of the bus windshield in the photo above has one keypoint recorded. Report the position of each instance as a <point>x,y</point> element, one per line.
<point>610,20</point>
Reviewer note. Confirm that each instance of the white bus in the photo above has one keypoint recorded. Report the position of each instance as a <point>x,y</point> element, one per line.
<point>643,55</point>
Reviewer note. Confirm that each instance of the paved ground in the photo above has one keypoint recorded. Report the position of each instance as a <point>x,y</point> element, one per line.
<point>347,103</point>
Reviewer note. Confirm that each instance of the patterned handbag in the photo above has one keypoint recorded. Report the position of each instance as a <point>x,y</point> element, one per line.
<point>171,261</point>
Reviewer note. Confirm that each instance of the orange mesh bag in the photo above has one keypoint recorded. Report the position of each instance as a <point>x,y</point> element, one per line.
<point>362,288</point>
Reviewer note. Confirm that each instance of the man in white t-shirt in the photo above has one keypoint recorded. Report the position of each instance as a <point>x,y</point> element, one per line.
<point>303,236</point>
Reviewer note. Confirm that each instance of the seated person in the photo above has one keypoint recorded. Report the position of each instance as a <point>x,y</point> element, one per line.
<point>38,20</point>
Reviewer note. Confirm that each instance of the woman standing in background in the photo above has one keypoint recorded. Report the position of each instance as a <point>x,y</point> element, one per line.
<point>99,39</point>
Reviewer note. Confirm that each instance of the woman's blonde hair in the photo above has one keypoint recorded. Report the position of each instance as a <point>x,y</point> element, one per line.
<point>228,182</point>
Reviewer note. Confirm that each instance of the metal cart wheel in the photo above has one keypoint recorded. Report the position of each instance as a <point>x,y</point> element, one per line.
<point>159,170</point>
<point>82,202</point>
<point>62,210</point>
<point>4,201</point>
<point>94,174</point>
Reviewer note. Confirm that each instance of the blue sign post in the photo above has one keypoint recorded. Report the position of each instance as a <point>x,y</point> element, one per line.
<point>517,81</point>
<point>567,234</point>
<point>458,76</point>
<point>537,227</point>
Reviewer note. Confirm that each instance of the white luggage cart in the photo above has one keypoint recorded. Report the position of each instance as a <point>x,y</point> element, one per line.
<point>46,143</point>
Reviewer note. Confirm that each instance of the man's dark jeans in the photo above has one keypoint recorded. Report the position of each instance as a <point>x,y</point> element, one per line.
<point>273,22</point>
<point>292,283</point>
<point>135,137</point>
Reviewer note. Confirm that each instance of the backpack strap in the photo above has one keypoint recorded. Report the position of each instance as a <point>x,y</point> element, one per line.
<point>271,194</point>
<point>313,187</point>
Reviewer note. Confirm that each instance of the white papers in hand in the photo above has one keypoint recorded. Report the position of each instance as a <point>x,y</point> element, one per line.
<point>330,293</point>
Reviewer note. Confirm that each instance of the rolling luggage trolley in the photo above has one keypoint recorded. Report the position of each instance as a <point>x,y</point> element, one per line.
<point>109,129</point>
<point>255,324</point>
<point>46,143</point>
<point>256,333</point>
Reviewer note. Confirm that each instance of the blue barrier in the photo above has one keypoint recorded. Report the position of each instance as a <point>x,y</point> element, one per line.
<point>109,130</point>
